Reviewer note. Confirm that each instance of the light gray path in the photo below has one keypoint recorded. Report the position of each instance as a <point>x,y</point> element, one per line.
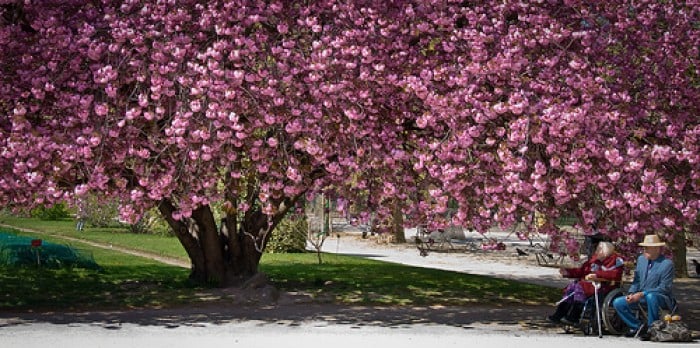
<point>312,334</point>
<point>503,264</point>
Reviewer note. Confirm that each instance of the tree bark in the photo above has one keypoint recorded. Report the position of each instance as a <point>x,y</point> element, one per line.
<point>397,222</point>
<point>187,239</point>
<point>210,244</point>
<point>229,255</point>
<point>678,247</point>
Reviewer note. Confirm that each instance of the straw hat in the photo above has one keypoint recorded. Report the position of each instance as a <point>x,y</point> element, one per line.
<point>651,240</point>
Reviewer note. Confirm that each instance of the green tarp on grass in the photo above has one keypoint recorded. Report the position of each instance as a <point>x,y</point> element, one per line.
<point>26,251</point>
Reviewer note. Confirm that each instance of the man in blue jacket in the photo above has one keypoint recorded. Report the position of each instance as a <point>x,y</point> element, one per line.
<point>653,279</point>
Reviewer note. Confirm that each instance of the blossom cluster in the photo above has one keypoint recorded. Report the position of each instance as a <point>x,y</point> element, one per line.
<point>466,112</point>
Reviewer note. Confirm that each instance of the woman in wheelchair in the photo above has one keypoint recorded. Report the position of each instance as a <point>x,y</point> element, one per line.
<point>604,264</point>
<point>650,289</point>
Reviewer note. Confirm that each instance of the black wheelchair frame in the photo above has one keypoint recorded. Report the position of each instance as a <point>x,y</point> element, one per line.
<point>609,321</point>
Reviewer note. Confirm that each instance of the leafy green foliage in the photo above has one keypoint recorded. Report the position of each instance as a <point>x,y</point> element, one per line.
<point>150,223</point>
<point>57,211</point>
<point>289,236</point>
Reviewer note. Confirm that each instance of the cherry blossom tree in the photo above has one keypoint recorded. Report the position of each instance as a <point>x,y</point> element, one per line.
<point>183,104</point>
<point>568,108</point>
<point>499,109</point>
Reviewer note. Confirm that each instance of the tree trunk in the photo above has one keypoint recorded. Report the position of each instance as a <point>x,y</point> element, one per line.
<point>397,223</point>
<point>227,255</point>
<point>220,257</point>
<point>187,238</point>
<point>678,247</point>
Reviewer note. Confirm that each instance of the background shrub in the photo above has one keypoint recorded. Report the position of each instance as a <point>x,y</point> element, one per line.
<point>151,223</point>
<point>289,236</point>
<point>55,212</point>
<point>99,212</point>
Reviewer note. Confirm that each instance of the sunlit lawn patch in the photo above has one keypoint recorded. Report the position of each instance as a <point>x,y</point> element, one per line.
<point>128,281</point>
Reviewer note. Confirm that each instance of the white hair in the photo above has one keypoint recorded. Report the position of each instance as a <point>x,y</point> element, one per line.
<point>605,249</point>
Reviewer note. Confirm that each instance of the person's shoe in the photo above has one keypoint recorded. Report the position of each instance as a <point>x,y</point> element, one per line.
<point>568,321</point>
<point>644,333</point>
<point>553,320</point>
<point>638,332</point>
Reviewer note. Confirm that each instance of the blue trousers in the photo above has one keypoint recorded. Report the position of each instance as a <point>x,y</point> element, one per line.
<point>654,303</point>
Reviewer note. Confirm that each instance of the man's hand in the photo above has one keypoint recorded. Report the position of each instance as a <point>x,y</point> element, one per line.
<point>633,298</point>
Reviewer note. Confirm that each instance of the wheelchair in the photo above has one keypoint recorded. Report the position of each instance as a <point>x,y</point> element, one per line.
<point>602,317</point>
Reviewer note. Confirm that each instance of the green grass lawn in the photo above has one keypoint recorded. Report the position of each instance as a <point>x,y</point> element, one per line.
<point>127,281</point>
<point>351,279</point>
<point>124,281</point>
<point>118,236</point>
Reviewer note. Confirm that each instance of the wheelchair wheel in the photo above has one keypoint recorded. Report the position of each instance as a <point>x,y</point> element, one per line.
<point>613,324</point>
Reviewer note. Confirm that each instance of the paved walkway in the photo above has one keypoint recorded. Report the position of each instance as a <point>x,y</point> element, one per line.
<point>310,334</point>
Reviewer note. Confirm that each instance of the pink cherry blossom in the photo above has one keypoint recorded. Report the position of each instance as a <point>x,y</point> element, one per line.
<point>466,113</point>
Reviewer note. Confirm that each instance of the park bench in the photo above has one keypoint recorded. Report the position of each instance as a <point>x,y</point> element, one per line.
<point>442,240</point>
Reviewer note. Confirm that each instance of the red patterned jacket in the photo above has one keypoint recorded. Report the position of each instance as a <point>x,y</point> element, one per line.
<point>610,268</point>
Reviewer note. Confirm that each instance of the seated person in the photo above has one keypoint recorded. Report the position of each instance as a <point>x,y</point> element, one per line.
<point>606,264</point>
<point>653,279</point>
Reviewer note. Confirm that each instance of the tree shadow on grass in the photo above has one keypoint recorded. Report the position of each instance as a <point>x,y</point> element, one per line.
<point>418,288</point>
<point>374,282</point>
<point>69,297</point>
<point>299,309</point>
<point>32,288</point>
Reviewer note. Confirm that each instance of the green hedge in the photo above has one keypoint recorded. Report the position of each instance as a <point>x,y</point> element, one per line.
<point>55,212</point>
